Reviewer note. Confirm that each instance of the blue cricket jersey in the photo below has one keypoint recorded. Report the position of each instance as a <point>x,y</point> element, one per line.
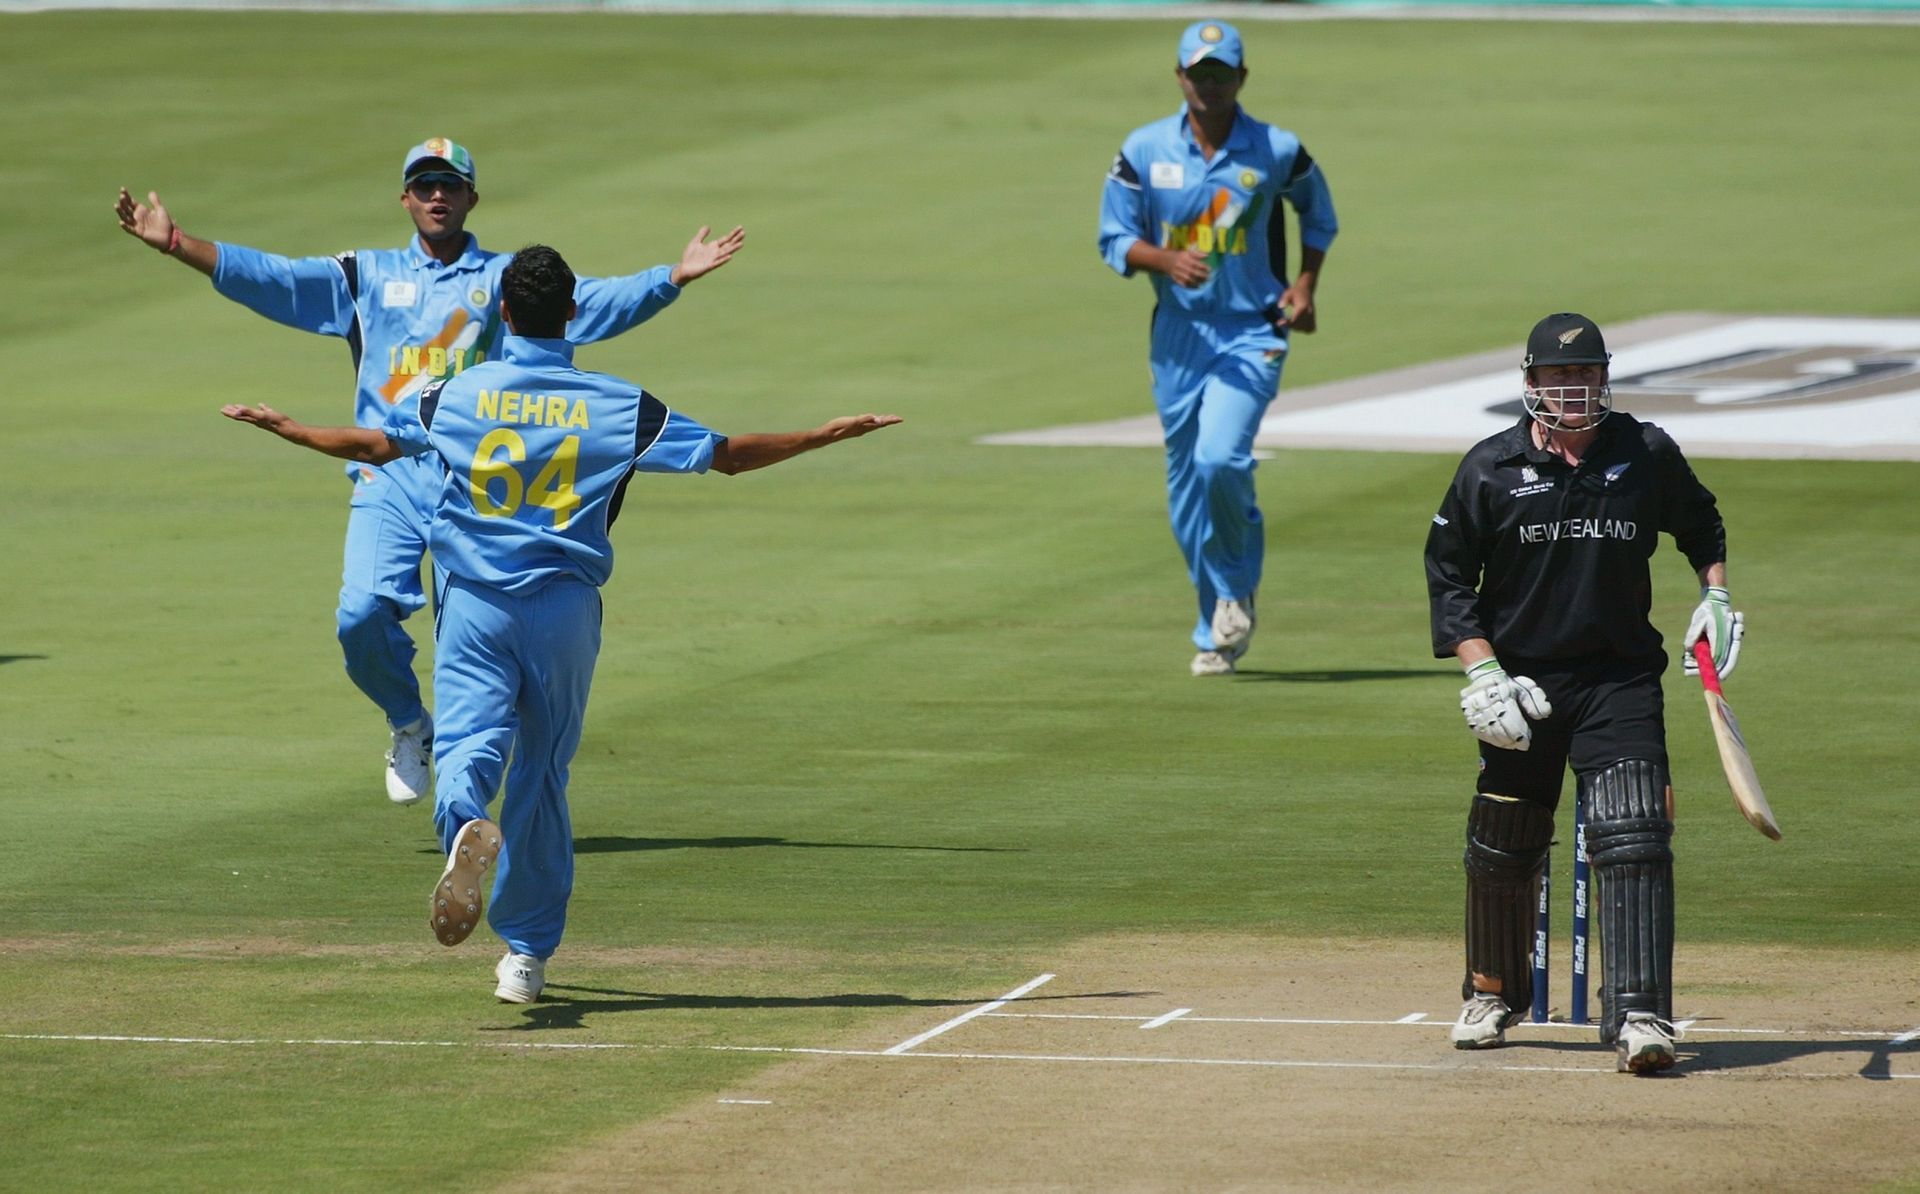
<point>536,457</point>
<point>1162,190</point>
<point>408,319</point>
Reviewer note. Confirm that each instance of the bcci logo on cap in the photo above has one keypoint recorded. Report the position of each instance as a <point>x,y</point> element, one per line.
<point>1211,35</point>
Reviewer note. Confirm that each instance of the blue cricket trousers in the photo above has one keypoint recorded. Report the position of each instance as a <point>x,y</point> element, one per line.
<point>1212,382</point>
<point>511,675</point>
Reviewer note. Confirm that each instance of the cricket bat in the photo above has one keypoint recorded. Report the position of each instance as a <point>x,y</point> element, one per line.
<point>1734,757</point>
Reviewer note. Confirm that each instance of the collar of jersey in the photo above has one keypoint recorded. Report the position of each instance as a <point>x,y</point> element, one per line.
<point>469,257</point>
<point>1519,441</point>
<point>534,350</point>
<point>1240,136</point>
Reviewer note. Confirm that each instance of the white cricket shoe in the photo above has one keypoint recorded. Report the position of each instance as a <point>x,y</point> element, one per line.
<point>521,978</point>
<point>410,761</point>
<point>1232,624</point>
<point>1646,1044</point>
<point>1214,663</point>
<point>455,910</point>
<point>1483,1023</point>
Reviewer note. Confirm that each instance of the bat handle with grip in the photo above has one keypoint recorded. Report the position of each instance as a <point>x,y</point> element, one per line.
<point>1709,677</point>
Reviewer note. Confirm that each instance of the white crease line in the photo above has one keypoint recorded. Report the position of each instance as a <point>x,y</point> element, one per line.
<point>963,1017</point>
<point>1420,1020</point>
<point>1169,1018</point>
<point>1456,1067</point>
<point>750,1102</point>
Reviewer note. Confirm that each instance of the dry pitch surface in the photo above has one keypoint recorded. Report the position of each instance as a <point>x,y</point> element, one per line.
<point>1315,1065</point>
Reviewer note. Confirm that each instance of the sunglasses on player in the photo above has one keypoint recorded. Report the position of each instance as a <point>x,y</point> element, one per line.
<point>423,185</point>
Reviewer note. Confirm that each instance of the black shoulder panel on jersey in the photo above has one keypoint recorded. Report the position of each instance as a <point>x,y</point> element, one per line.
<point>647,429</point>
<point>1277,241</point>
<point>652,421</point>
<point>350,269</point>
<point>1302,166</point>
<point>430,402</point>
<point>1123,172</point>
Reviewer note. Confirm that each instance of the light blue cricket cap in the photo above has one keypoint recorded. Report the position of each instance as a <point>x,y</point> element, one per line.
<point>1211,39</point>
<point>438,153</point>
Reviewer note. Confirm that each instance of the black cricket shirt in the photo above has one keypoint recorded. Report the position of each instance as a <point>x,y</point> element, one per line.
<point>1548,561</point>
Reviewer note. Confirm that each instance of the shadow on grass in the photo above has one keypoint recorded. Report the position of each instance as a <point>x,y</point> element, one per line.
<point>623,845</point>
<point>1343,677</point>
<point>1715,1056</point>
<point>19,658</point>
<point>567,1011</point>
<point>615,845</point>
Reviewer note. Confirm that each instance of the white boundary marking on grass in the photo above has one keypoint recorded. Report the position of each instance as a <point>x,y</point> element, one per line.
<point>1169,1018</point>
<point>963,1017</point>
<point>1387,11</point>
<point>749,1102</point>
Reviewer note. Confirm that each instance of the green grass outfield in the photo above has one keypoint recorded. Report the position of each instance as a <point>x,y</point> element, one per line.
<point>884,725</point>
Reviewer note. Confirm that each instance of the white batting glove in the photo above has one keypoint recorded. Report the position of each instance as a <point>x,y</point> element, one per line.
<point>1497,706</point>
<point>1716,621</point>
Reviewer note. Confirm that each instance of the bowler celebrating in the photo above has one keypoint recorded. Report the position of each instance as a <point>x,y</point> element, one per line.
<point>1194,200</point>
<point>409,316</point>
<point>533,457</point>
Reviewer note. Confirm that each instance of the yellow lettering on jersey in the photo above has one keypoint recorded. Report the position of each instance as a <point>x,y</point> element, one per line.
<point>488,405</point>
<point>437,360</point>
<point>510,406</point>
<point>488,467</point>
<point>556,412</point>
<point>552,489</point>
<point>409,359</point>
<point>578,417</point>
<point>1205,238</point>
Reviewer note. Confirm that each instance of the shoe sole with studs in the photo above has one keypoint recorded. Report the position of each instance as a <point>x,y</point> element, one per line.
<point>457,902</point>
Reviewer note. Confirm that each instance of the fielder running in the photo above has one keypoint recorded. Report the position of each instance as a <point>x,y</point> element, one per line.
<point>409,316</point>
<point>534,458</point>
<point>1537,571</point>
<point>1194,199</point>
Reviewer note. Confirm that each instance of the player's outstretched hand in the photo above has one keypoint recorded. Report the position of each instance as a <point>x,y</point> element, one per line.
<point>855,426</point>
<point>700,258</point>
<point>262,416</point>
<point>149,221</point>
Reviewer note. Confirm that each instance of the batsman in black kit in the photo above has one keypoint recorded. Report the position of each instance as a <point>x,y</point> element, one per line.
<point>1537,571</point>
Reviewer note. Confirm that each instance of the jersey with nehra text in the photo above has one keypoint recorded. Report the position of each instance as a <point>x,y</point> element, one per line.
<point>535,457</point>
<point>1549,561</point>
<point>1163,190</point>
